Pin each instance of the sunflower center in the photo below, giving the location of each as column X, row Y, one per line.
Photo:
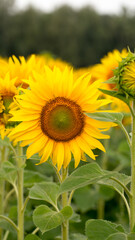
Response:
column 62, row 119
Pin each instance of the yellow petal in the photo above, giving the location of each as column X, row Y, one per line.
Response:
column 85, row 147
column 76, row 151
column 59, row 151
column 67, row 155
column 47, row 151
column 37, row 146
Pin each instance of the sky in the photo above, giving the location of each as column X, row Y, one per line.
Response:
column 102, row 6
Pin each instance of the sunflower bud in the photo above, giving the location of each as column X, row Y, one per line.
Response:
column 125, row 75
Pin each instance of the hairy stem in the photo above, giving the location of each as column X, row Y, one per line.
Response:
column 101, row 202
column 132, row 199
column 65, row 224
column 20, row 194
column 2, row 187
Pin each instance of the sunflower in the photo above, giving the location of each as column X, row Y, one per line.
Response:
column 7, row 92
column 54, row 120
column 104, row 70
column 125, row 75
column 21, row 68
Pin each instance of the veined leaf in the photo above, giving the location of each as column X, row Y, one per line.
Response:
column 31, row 177
column 8, row 172
column 115, row 94
column 107, row 116
column 88, row 174
column 32, row 237
column 100, row 229
column 47, row 191
column 117, row 236
column 47, row 219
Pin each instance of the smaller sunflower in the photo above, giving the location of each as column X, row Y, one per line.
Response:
column 53, row 119
column 125, row 75
column 7, row 92
column 104, row 70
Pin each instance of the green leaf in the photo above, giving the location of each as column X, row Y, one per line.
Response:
column 107, row 116
column 32, row 237
column 82, row 176
column 115, row 94
column 75, row 217
column 77, row 236
column 47, row 219
column 117, row 236
column 8, row 172
column 47, row 191
column 31, row 177
column 131, row 236
column 100, row 229
column 6, row 225
column 120, row 177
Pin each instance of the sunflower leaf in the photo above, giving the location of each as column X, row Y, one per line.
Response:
column 32, row 237
column 31, row 177
column 47, row 219
column 47, row 191
column 77, row 236
column 100, row 229
column 116, row 236
column 107, row 116
column 131, row 236
column 124, row 179
column 88, row 174
column 91, row 173
column 8, row 172
column 115, row 94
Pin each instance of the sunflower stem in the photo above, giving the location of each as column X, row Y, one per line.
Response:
column 132, row 199
column 20, row 193
column 65, row 224
column 2, row 187
column 101, row 202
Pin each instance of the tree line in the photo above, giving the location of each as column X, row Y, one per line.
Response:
column 81, row 37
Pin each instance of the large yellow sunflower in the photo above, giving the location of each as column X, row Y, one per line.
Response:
column 54, row 120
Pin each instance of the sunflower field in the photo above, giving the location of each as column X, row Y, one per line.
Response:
column 67, row 148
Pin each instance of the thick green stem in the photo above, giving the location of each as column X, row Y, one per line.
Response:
column 132, row 199
column 65, row 225
column 2, row 187
column 20, row 194
column 101, row 202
